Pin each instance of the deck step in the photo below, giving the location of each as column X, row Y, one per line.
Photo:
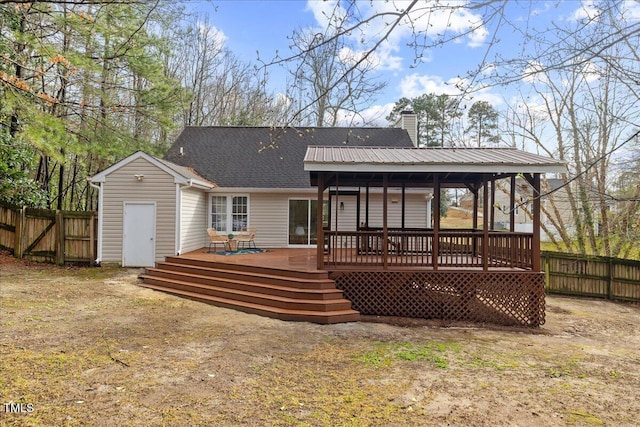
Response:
column 327, row 317
column 303, row 274
column 265, row 298
column 249, row 284
column 264, row 276
column 296, row 295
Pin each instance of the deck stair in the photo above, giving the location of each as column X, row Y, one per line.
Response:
column 282, row 294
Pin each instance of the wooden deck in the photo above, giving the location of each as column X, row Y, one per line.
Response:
column 285, row 283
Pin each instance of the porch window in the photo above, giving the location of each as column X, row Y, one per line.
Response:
column 229, row 213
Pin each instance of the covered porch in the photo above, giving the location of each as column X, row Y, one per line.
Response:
column 477, row 274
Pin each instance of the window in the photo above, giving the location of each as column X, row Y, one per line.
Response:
column 219, row 213
column 239, row 213
column 229, row 213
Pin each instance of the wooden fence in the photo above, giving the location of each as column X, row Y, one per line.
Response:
column 602, row 277
column 49, row 236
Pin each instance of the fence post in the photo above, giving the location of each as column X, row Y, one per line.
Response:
column 609, row 277
column 18, row 242
column 59, row 238
column 92, row 237
column 546, row 268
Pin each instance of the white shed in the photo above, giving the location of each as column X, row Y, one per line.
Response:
column 149, row 208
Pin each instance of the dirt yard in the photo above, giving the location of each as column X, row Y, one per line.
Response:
column 87, row 347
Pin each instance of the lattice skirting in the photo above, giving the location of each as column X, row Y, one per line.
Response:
column 505, row 298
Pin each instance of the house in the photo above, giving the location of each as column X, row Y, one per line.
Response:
column 362, row 205
column 229, row 178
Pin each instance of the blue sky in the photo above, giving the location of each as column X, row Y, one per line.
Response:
column 250, row 26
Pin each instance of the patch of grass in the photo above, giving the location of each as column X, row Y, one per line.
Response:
column 583, row 417
column 385, row 353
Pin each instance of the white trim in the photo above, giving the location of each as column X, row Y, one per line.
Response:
column 311, row 191
column 229, row 207
column 308, row 190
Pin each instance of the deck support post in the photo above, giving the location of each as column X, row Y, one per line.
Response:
column 319, row 228
column 535, row 241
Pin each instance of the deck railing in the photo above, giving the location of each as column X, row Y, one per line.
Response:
column 415, row 248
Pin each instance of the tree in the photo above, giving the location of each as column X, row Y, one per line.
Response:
column 591, row 117
column 85, row 87
column 329, row 79
column 222, row 89
column 436, row 116
column 483, row 123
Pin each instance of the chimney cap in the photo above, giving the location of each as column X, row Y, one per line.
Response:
column 407, row 112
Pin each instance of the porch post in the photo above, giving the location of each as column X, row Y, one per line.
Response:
column 485, row 223
column 385, row 232
column 512, row 201
column 403, row 206
column 436, row 220
column 366, row 208
column 319, row 228
column 535, row 243
column 475, row 209
column 493, row 202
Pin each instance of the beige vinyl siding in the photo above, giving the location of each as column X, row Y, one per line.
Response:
column 269, row 213
column 415, row 211
column 121, row 186
column 193, row 221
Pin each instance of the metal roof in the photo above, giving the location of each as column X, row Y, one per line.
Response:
column 430, row 160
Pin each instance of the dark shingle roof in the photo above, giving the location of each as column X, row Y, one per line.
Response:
column 263, row 157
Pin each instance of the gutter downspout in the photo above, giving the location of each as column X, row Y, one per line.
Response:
column 178, row 232
column 100, row 219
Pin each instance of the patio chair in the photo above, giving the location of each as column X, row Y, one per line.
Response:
column 216, row 239
column 247, row 237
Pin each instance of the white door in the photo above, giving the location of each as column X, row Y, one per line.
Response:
column 139, row 235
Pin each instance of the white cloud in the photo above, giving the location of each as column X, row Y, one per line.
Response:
column 414, row 85
column 372, row 116
column 212, row 33
column 587, row 10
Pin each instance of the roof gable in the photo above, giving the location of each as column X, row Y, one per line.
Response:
column 267, row 157
column 181, row 174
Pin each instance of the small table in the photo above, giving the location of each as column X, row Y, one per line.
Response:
column 232, row 245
